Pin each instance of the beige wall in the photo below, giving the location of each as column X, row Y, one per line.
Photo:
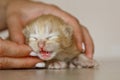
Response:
column 102, row 18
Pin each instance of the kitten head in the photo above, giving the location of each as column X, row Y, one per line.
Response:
column 48, row 35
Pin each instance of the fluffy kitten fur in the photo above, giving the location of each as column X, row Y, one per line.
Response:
column 52, row 41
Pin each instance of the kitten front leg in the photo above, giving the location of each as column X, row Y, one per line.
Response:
column 57, row 65
column 83, row 61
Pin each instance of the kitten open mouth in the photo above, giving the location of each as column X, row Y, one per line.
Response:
column 45, row 54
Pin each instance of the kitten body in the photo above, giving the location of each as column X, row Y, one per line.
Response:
column 52, row 41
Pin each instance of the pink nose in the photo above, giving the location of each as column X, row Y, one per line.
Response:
column 41, row 43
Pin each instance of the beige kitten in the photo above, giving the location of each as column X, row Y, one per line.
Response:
column 52, row 41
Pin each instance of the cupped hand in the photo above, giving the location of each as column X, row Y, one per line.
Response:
column 20, row 12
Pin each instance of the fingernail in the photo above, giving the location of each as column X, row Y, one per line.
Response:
column 33, row 54
column 40, row 65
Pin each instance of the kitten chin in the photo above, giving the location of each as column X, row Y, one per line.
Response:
column 52, row 39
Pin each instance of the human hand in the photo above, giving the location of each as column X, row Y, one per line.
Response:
column 20, row 12
column 13, row 55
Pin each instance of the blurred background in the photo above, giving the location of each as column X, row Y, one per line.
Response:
column 102, row 18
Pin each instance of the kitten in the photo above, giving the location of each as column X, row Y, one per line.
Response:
column 52, row 41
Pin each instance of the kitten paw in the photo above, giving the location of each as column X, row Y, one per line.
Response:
column 84, row 62
column 57, row 65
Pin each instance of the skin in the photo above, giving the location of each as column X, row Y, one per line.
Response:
column 14, row 53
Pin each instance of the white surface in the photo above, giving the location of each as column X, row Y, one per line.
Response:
column 108, row 70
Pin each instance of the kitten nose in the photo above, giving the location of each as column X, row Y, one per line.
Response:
column 41, row 43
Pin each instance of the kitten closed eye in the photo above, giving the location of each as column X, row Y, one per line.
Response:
column 33, row 38
column 51, row 37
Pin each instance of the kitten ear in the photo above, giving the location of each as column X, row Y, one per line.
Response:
column 68, row 30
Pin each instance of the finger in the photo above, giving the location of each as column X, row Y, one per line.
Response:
column 89, row 45
column 26, row 62
column 78, row 38
column 15, row 28
column 12, row 49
